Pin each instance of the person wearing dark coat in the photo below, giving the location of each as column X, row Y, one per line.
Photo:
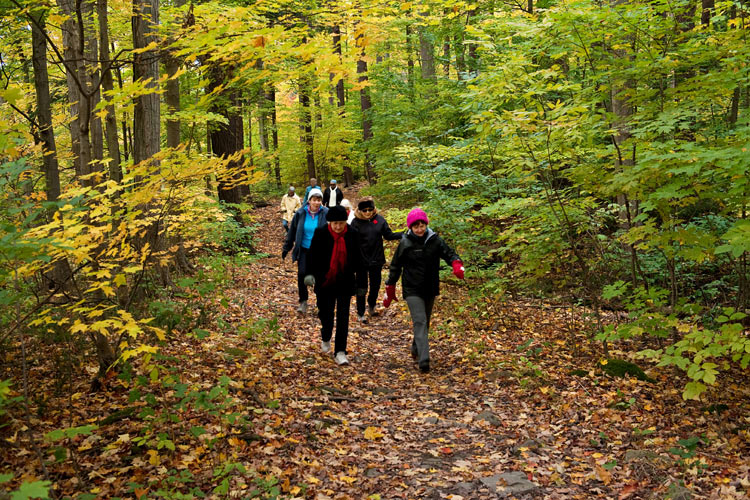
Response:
column 312, row 215
column 418, row 258
column 332, row 196
column 334, row 261
column 373, row 229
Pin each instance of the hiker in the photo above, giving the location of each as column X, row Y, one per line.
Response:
column 349, row 212
column 333, row 259
column 313, row 185
column 290, row 203
column 418, row 257
column 308, row 218
column 372, row 229
column 332, row 196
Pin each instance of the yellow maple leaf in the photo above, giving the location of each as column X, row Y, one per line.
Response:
column 372, row 433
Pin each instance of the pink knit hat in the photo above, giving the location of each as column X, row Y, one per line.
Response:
column 416, row 214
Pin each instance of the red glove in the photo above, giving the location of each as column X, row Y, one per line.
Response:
column 458, row 269
column 390, row 295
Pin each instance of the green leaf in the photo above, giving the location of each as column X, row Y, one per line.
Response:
column 37, row 489
column 693, row 390
column 4, row 478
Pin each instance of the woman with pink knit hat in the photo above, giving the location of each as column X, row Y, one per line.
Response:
column 417, row 257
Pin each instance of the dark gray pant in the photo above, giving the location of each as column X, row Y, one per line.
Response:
column 421, row 310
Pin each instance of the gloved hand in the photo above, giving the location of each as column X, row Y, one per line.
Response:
column 310, row 280
column 390, row 295
column 458, row 269
column 283, row 254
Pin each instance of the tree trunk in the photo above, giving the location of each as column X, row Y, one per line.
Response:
column 172, row 95
column 306, row 125
column 341, row 104
column 146, row 113
column 427, row 55
column 70, row 42
column 410, row 61
column 271, row 97
column 110, row 122
column 365, row 105
column 227, row 140
column 93, row 76
column 44, row 109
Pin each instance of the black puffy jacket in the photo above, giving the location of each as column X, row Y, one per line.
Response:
column 419, row 260
column 319, row 261
column 372, row 232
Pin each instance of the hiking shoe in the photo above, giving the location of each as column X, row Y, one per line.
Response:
column 302, row 307
column 362, row 318
column 325, row 346
column 424, row 366
column 371, row 310
column 341, row 358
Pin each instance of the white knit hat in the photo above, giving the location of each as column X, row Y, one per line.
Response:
column 315, row 192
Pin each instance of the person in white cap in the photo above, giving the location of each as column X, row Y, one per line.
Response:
column 332, row 195
column 299, row 237
column 290, row 203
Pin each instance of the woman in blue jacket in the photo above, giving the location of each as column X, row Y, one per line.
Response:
column 304, row 223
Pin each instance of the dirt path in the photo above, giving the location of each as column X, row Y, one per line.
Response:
column 491, row 420
column 377, row 426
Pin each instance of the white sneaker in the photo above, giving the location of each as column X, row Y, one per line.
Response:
column 325, row 346
column 362, row 319
column 302, row 307
column 341, row 358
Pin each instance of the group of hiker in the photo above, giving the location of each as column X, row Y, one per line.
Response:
column 339, row 253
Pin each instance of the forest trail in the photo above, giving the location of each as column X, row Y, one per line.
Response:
column 378, row 425
column 498, row 416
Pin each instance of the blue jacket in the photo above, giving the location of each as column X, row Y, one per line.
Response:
column 297, row 227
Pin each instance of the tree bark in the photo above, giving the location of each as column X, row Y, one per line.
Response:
column 44, row 109
column 146, row 113
column 426, row 55
column 110, row 122
column 271, row 97
column 341, row 105
column 365, row 106
column 307, row 135
column 227, row 139
column 172, row 95
column 410, row 62
column 70, row 42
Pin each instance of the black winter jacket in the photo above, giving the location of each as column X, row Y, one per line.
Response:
column 319, row 261
column 419, row 259
column 372, row 232
column 327, row 197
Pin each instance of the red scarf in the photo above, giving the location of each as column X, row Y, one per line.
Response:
column 338, row 256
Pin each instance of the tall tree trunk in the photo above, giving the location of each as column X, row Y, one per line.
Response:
column 410, row 61
column 447, row 57
column 271, row 97
column 306, row 125
column 146, row 113
column 365, row 105
column 172, row 95
column 70, row 42
column 44, row 108
column 110, row 122
column 460, row 50
column 227, row 140
column 427, row 54
column 341, row 104
column 93, row 76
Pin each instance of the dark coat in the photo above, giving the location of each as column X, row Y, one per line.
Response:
column 419, row 260
column 297, row 228
column 372, row 232
column 327, row 196
column 319, row 262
